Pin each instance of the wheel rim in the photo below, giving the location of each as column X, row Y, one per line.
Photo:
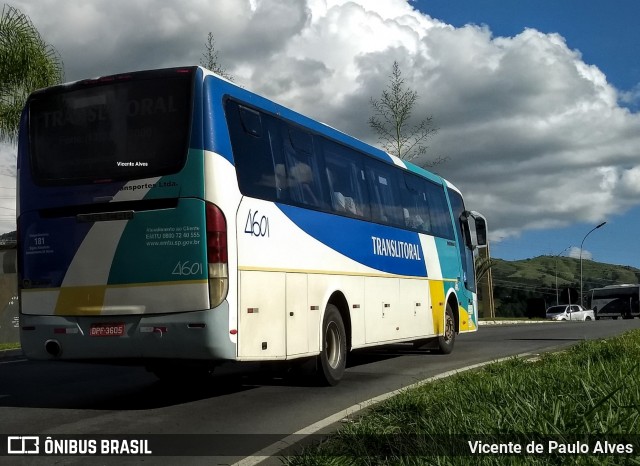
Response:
column 448, row 327
column 333, row 345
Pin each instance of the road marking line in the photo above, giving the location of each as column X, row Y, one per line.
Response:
column 13, row 360
column 288, row 441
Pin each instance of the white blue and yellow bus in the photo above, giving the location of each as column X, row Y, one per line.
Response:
column 173, row 219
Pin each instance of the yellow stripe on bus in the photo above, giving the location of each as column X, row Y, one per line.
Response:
column 80, row 300
column 124, row 285
column 89, row 299
column 437, row 306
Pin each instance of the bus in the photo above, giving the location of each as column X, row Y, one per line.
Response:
column 616, row 301
column 172, row 219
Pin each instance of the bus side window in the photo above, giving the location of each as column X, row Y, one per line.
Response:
column 415, row 208
column 302, row 170
column 251, row 151
column 383, row 193
column 251, row 121
column 439, row 215
column 345, row 177
column 280, row 171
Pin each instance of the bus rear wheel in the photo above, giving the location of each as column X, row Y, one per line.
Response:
column 333, row 357
column 448, row 338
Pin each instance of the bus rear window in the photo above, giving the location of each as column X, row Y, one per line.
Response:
column 127, row 128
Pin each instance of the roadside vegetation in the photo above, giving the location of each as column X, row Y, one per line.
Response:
column 547, row 278
column 576, row 398
column 9, row 346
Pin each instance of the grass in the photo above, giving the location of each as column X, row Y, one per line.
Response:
column 590, row 392
column 9, row 346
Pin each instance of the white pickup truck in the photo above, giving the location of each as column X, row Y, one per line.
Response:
column 569, row 312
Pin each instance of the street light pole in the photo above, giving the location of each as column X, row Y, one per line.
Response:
column 585, row 237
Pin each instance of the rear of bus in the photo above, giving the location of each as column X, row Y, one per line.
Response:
column 120, row 257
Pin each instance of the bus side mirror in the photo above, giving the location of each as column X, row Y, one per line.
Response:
column 477, row 228
column 481, row 231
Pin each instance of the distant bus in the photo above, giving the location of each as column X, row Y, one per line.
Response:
column 172, row 219
column 616, row 301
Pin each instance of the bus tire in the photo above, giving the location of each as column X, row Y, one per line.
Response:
column 333, row 357
column 446, row 341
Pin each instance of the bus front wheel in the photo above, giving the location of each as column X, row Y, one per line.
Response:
column 448, row 338
column 333, row 358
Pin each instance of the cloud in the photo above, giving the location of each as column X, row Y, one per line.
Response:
column 631, row 98
column 534, row 136
column 574, row 252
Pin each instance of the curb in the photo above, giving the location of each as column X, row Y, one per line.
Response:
column 11, row 354
column 516, row 322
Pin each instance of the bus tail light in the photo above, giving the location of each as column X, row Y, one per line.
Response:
column 217, row 256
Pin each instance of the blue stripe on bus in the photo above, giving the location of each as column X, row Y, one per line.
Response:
column 216, row 138
column 380, row 247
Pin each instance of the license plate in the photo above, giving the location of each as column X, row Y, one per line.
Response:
column 107, row 330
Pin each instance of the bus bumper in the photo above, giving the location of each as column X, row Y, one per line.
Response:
column 199, row 335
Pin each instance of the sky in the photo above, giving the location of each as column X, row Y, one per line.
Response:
column 536, row 101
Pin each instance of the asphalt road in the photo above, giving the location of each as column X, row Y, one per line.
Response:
column 243, row 409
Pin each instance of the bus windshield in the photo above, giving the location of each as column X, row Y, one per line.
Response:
column 95, row 131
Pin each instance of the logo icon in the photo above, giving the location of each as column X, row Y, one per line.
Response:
column 23, row 445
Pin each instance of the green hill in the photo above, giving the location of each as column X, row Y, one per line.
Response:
column 517, row 282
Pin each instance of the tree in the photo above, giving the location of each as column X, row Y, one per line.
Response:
column 27, row 63
column 482, row 266
column 210, row 58
column 391, row 121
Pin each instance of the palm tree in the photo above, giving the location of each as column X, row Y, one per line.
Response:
column 482, row 265
column 27, row 63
